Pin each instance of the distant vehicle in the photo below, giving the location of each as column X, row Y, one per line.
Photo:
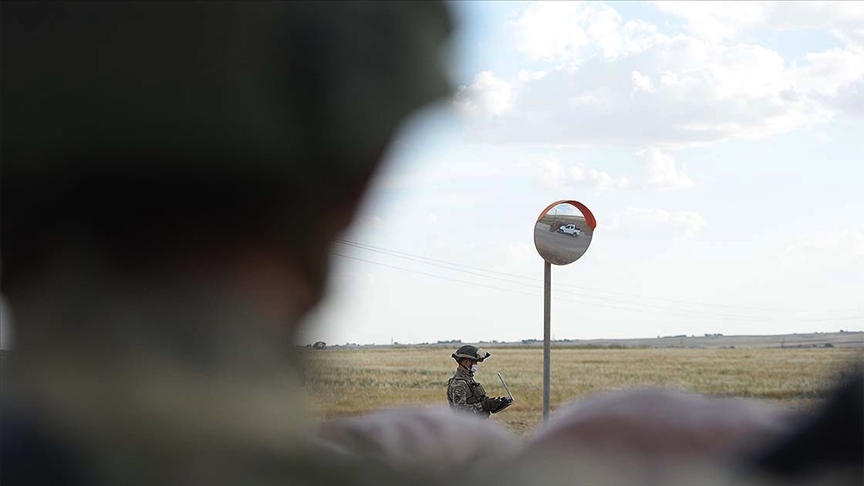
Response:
column 570, row 229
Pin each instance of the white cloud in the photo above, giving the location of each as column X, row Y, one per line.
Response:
column 702, row 90
column 642, row 83
column 715, row 20
column 546, row 30
column 556, row 176
column 663, row 171
column 851, row 36
column 487, row 96
column 670, row 79
column 636, row 36
column 707, row 93
column 834, row 77
column 567, row 32
column 553, row 173
column 813, row 15
column 531, row 75
column 585, row 99
column 593, row 177
column 661, row 168
column 687, row 221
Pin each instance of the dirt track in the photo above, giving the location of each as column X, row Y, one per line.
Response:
column 558, row 248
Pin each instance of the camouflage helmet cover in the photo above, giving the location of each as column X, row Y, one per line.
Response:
column 470, row 352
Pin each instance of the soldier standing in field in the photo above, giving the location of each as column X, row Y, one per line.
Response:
column 466, row 394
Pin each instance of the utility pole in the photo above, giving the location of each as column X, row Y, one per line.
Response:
column 547, row 329
column 558, row 251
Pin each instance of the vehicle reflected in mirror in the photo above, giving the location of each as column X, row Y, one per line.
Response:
column 562, row 234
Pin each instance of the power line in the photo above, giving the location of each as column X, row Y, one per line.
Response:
column 437, row 263
column 433, row 275
column 461, row 268
column 427, row 259
column 454, row 266
column 641, row 309
column 691, row 312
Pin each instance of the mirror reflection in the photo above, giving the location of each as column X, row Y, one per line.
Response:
column 562, row 234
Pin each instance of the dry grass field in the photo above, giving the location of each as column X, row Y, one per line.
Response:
column 350, row 381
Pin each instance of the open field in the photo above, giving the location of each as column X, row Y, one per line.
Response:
column 354, row 380
column 804, row 340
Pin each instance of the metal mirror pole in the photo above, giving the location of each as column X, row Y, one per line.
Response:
column 547, row 306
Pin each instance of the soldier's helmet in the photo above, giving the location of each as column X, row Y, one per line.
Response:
column 470, row 352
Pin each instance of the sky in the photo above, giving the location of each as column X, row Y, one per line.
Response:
column 720, row 147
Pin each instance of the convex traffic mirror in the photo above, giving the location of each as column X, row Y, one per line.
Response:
column 563, row 232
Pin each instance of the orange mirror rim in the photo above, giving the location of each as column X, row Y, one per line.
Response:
column 589, row 216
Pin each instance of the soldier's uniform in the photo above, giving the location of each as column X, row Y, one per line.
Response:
column 464, row 393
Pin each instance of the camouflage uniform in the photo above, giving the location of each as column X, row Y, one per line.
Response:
column 466, row 394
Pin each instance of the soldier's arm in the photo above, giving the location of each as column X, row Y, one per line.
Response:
column 459, row 394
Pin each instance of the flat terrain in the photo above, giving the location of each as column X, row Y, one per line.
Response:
column 347, row 381
column 804, row 340
column 559, row 248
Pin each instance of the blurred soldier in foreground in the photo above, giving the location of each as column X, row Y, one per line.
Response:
column 464, row 393
column 173, row 177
